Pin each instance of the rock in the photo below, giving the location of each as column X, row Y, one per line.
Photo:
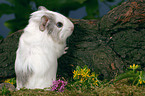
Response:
column 9, row 86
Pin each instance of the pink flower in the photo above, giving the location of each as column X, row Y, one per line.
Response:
column 58, row 85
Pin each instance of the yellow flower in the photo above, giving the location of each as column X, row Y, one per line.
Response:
column 84, row 75
column 134, row 66
column 95, row 83
column 130, row 66
column 141, row 81
column 75, row 74
column 88, row 70
column 88, row 76
column 84, row 72
column 74, row 71
column 82, row 79
column 8, row 81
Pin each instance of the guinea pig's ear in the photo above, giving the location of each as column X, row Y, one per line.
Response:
column 41, row 8
column 44, row 23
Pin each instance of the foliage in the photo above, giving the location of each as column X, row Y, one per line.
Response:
column 23, row 8
column 83, row 78
column 11, row 81
column 1, row 37
column 5, row 91
column 134, row 76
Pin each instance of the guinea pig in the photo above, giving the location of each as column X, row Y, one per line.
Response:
column 41, row 44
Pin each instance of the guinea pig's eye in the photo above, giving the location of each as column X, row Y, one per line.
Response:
column 59, row 24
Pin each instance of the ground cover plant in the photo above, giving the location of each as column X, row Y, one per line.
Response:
column 84, row 83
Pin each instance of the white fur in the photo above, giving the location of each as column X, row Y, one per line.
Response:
column 37, row 54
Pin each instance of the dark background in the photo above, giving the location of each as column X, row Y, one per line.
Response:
column 77, row 14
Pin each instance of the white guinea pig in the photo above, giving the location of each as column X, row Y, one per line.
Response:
column 41, row 44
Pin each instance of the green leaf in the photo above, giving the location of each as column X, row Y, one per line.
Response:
column 129, row 74
column 143, row 75
column 92, row 8
column 5, row 9
column 102, row 0
column 85, row 67
column 11, row 1
column 15, row 24
column 13, row 80
column 1, row 37
column 110, row 0
column 78, row 68
column 93, row 74
column 5, row 91
column 61, row 6
column 80, row 1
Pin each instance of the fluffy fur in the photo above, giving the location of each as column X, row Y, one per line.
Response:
column 41, row 44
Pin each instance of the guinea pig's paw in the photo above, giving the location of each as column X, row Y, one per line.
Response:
column 17, row 88
column 66, row 48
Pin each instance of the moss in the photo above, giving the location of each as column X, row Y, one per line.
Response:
column 121, row 88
